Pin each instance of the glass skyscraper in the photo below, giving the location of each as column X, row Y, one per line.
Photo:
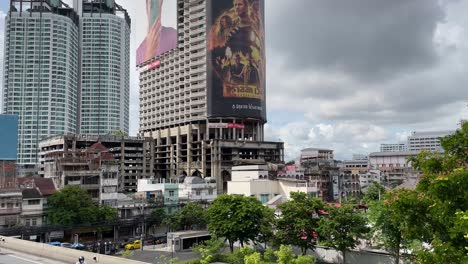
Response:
column 105, row 69
column 65, row 74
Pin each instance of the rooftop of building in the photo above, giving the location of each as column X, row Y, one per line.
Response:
column 316, row 149
column 431, row 133
column 32, row 193
column 44, row 185
column 395, row 153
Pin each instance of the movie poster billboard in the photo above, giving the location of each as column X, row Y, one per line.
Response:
column 236, row 58
column 161, row 33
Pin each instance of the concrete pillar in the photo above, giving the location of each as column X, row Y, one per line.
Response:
column 189, row 148
column 203, row 157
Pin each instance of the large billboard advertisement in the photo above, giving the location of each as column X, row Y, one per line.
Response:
column 161, row 34
column 236, row 58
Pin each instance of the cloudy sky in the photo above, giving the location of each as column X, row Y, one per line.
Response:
column 349, row 75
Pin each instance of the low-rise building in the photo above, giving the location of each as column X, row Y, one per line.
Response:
column 394, row 166
column 253, row 180
column 35, row 192
column 10, row 207
column 132, row 155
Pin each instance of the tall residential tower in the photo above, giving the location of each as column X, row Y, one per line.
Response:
column 41, row 72
column 202, row 88
column 66, row 70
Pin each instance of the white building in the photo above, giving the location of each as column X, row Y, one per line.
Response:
column 427, row 140
column 188, row 189
column 394, row 147
column 197, row 189
column 315, row 154
column 253, row 181
column 390, row 160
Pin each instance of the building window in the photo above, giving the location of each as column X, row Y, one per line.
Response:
column 171, row 193
column 210, row 192
column 33, row 202
column 34, row 222
column 198, row 193
column 264, row 198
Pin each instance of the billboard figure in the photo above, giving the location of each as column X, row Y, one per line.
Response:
column 236, row 44
column 159, row 39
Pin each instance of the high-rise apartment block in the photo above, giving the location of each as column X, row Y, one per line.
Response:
column 393, row 147
column 202, row 89
column 426, row 140
column 63, row 66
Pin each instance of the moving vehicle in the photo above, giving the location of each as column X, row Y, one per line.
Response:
column 133, row 245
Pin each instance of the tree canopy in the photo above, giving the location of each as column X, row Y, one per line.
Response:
column 298, row 221
column 342, row 228
column 236, row 218
column 434, row 212
column 191, row 216
column 73, row 206
column 374, row 192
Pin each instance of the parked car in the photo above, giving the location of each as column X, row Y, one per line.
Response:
column 135, row 245
column 66, row 245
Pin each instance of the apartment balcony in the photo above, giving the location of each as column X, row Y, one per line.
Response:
column 90, row 186
column 110, row 182
column 10, row 211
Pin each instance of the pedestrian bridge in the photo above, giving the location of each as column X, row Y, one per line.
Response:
column 60, row 254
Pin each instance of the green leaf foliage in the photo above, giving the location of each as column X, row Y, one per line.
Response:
column 433, row 212
column 285, row 255
column 304, row 260
column 374, row 192
column 342, row 228
column 235, row 218
column 298, row 221
column 191, row 216
column 73, row 206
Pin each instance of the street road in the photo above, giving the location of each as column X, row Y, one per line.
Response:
column 11, row 257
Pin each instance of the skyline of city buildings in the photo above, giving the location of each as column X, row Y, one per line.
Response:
column 62, row 69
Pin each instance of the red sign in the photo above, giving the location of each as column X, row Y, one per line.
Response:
column 150, row 66
column 234, row 125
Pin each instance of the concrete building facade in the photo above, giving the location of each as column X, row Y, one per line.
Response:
column 427, row 140
column 174, row 110
column 395, row 147
column 253, row 180
column 132, row 157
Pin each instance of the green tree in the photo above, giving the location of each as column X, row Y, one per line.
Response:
column 342, row 228
column 266, row 233
column 269, row 255
column 235, row 218
column 374, row 192
column 73, row 206
column 285, row 255
column 304, row 260
column 298, row 221
column 432, row 211
column 254, row 258
column 191, row 216
column 389, row 219
column 157, row 217
column 208, row 250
